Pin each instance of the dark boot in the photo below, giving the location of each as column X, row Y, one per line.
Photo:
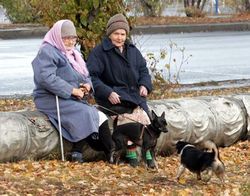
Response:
column 76, row 152
column 106, row 139
column 76, row 157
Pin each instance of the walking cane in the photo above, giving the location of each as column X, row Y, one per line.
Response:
column 60, row 127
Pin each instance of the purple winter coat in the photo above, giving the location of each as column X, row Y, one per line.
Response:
column 54, row 75
column 111, row 71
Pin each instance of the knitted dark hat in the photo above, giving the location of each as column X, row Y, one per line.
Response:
column 117, row 21
column 68, row 29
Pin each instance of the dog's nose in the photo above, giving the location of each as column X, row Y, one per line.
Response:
column 165, row 130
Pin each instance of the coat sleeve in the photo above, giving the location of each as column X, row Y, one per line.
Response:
column 95, row 67
column 45, row 67
column 144, row 76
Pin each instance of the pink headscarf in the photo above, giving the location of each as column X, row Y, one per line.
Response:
column 53, row 37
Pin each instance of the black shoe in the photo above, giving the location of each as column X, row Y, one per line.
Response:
column 76, row 157
column 133, row 162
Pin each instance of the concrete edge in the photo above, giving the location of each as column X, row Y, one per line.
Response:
column 23, row 33
column 39, row 32
column 189, row 28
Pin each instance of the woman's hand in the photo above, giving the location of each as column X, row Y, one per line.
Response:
column 85, row 87
column 77, row 92
column 114, row 98
column 143, row 91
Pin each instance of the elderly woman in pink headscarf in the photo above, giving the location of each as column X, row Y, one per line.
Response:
column 59, row 69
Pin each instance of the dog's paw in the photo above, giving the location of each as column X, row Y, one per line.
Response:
column 111, row 157
column 133, row 162
column 116, row 156
column 151, row 164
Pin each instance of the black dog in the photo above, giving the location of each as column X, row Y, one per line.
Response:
column 196, row 160
column 144, row 136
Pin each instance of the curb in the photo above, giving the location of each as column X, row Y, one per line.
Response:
column 23, row 33
column 39, row 32
column 189, row 28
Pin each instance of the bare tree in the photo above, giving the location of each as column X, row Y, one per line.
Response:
column 247, row 5
column 194, row 7
column 152, row 7
column 195, row 3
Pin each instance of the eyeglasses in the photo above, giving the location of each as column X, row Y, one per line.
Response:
column 70, row 37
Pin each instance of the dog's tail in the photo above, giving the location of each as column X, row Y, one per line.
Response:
column 217, row 166
column 212, row 146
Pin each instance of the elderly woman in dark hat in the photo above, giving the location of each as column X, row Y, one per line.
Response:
column 119, row 73
column 59, row 70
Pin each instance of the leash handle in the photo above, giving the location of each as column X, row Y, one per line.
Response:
column 109, row 110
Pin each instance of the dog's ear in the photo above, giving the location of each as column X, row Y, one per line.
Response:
column 163, row 115
column 153, row 115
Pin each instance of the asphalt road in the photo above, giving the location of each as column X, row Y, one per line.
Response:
column 216, row 56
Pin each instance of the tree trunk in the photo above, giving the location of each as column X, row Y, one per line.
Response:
column 185, row 3
column 247, row 5
column 203, row 5
column 198, row 4
column 193, row 3
column 148, row 9
column 194, row 7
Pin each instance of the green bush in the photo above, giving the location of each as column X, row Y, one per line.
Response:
column 89, row 16
column 20, row 11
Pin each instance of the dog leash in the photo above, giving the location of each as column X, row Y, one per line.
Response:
column 142, row 131
column 116, row 113
column 105, row 108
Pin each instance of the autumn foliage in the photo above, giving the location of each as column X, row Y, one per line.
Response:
column 54, row 177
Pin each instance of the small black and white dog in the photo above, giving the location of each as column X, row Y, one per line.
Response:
column 144, row 136
column 197, row 160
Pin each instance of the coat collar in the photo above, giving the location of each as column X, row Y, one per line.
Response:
column 107, row 44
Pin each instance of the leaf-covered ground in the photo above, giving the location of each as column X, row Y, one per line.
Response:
column 174, row 20
column 100, row 178
column 53, row 177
